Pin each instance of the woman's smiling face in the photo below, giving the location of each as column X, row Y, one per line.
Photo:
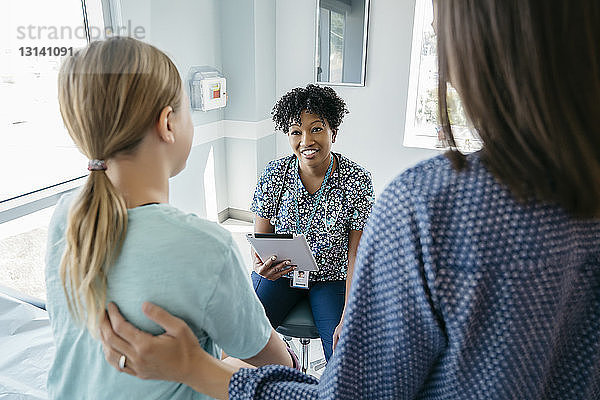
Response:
column 311, row 140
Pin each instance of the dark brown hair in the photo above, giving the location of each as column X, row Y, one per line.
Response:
column 528, row 73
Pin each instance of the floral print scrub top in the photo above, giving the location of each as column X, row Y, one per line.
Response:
column 345, row 205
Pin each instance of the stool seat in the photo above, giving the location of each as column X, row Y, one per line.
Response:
column 299, row 323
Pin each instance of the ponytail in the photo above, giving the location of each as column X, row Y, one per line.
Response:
column 95, row 231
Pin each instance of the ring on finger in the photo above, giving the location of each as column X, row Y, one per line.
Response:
column 122, row 361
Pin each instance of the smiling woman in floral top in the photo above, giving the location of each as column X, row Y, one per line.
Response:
column 321, row 194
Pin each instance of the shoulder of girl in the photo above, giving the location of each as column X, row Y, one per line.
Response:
column 189, row 225
column 58, row 221
column 64, row 203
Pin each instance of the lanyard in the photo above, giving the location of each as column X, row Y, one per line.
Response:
column 273, row 219
column 318, row 194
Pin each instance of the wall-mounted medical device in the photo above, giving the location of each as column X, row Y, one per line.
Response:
column 208, row 88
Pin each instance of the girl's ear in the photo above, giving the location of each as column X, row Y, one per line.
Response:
column 334, row 135
column 163, row 126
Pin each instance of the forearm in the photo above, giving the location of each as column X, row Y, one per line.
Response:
column 353, row 241
column 349, row 275
column 237, row 363
column 274, row 352
column 210, row 376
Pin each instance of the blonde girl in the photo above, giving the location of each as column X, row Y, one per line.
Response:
column 118, row 239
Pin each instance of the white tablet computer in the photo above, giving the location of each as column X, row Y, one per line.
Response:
column 286, row 246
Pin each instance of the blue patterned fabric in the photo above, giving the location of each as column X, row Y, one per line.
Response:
column 345, row 205
column 460, row 292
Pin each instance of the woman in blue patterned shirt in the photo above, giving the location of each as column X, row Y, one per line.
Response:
column 477, row 277
column 319, row 193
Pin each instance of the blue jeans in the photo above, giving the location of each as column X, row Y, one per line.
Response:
column 326, row 301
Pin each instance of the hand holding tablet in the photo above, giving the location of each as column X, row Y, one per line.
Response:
column 284, row 247
column 271, row 269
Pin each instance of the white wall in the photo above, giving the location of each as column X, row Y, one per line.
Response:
column 193, row 32
column 248, row 40
column 189, row 32
column 238, row 39
column 241, row 171
column 373, row 131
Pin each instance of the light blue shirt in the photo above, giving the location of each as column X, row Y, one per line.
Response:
column 187, row 265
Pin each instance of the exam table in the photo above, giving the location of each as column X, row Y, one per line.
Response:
column 26, row 347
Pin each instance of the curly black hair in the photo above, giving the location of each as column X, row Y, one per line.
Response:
column 319, row 100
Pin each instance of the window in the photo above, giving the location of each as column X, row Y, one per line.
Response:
column 337, row 24
column 331, row 41
column 38, row 160
column 422, row 122
column 36, row 152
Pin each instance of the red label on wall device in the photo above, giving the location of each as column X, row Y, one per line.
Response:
column 216, row 91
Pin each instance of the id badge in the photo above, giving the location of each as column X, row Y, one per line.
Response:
column 300, row 279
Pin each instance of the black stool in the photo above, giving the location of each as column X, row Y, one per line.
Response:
column 300, row 324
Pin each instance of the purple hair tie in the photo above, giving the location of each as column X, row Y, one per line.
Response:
column 96, row 165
